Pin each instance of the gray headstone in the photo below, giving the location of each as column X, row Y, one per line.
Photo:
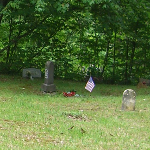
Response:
column 35, row 73
column 48, row 85
column 128, row 101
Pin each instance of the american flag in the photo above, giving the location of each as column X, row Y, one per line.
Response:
column 90, row 85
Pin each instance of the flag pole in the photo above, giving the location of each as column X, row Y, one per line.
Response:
column 90, row 70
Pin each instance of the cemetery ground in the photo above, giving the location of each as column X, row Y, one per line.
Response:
column 30, row 119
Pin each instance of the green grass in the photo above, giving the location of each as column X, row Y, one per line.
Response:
column 30, row 119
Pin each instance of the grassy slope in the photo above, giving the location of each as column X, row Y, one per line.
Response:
column 32, row 120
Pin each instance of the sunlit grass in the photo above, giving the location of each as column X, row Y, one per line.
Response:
column 30, row 119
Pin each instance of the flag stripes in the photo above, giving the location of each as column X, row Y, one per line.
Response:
column 90, row 85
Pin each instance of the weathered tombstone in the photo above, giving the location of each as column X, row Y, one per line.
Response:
column 28, row 72
column 48, row 85
column 145, row 81
column 128, row 101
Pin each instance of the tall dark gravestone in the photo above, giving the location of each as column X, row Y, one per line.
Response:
column 48, row 85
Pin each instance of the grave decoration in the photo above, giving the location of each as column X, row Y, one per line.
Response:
column 69, row 94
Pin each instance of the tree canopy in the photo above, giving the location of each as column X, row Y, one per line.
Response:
column 108, row 39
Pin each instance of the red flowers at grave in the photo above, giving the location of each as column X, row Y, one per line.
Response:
column 69, row 94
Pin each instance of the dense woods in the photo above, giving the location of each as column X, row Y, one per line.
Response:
column 108, row 39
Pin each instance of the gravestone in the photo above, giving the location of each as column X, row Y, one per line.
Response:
column 35, row 73
column 128, row 101
column 48, row 85
column 145, row 81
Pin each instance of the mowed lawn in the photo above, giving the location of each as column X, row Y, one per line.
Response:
column 32, row 120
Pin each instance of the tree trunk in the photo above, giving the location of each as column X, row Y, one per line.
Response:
column 114, row 65
column 126, row 61
column 106, row 58
column 132, row 56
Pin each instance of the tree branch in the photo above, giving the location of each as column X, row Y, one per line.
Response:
column 3, row 3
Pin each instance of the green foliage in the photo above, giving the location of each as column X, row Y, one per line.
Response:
column 112, row 36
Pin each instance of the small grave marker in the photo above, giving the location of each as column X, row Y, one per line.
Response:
column 35, row 73
column 128, row 101
column 48, row 85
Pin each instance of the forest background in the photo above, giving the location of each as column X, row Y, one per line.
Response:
column 108, row 39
